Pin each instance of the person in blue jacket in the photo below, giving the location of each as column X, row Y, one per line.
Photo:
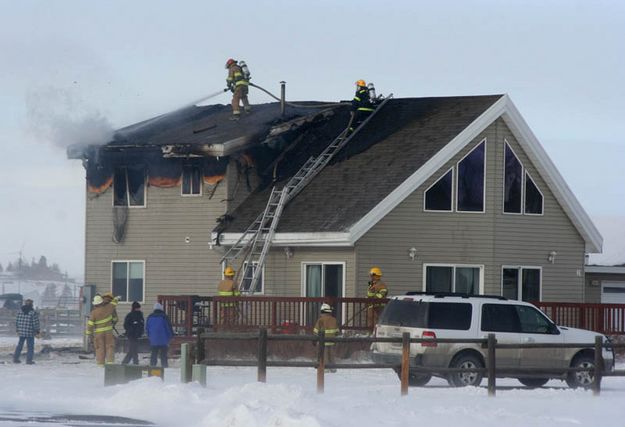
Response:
column 159, row 331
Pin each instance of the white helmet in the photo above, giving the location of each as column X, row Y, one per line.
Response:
column 325, row 308
column 97, row 300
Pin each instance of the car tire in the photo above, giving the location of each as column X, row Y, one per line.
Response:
column 414, row 379
column 463, row 379
column 533, row 382
column 581, row 379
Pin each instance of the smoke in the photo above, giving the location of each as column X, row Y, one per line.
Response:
column 62, row 118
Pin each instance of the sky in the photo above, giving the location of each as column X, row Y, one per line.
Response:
column 72, row 71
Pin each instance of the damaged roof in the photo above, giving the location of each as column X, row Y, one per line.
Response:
column 396, row 142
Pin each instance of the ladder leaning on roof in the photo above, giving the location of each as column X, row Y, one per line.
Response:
column 255, row 242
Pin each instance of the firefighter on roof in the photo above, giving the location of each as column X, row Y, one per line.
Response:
column 377, row 290
column 327, row 323
column 100, row 327
column 362, row 105
column 238, row 82
column 227, row 288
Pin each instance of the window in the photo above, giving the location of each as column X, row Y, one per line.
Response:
column 418, row 314
column 532, row 320
column 500, row 318
column 246, row 283
column 520, row 192
column 450, row 316
column 461, row 279
column 439, row 196
column 470, row 181
column 324, row 280
column 128, row 280
column 191, row 180
column 521, row 283
column 129, row 186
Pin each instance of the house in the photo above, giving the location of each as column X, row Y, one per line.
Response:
column 443, row 194
column 605, row 284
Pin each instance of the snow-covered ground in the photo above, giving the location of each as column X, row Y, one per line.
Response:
column 62, row 383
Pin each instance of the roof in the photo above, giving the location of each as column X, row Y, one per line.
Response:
column 405, row 142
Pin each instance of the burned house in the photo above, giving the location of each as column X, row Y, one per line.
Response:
column 443, row 194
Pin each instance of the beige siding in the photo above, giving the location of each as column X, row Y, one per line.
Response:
column 491, row 239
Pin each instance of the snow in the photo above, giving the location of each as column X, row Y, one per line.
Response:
column 61, row 383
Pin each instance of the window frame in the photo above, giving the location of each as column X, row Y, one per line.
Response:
column 145, row 190
column 542, row 205
column 454, row 266
column 453, row 180
column 457, row 175
column 191, row 167
column 262, row 280
column 127, row 262
column 524, row 172
column 303, row 266
column 520, row 280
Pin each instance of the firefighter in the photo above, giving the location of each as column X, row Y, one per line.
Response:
column 239, row 86
column 361, row 104
column 327, row 323
column 100, row 327
column 109, row 298
column 227, row 288
column 377, row 290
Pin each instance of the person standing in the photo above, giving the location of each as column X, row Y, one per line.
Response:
column 361, row 104
column 27, row 327
column 377, row 290
column 159, row 330
column 100, row 327
column 133, row 325
column 327, row 323
column 227, row 288
column 239, row 86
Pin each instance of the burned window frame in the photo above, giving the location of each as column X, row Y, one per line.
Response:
column 126, row 197
column 192, row 171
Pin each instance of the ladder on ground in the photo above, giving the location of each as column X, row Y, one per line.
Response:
column 255, row 242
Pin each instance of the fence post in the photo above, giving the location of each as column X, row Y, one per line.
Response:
column 596, row 386
column 405, row 362
column 274, row 316
column 262, row 355
column 185, row 363
column 199, row 346
column 491, row 365
column 321, row 343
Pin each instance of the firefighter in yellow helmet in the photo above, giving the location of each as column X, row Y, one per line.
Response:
column 376, row 291
column 100, row 327
column 239, row 86
column 328, row 324
column 362, row 105
column 227, row 288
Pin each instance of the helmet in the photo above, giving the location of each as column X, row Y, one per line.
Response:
column 229, row 62
column 108, row 295
column 360, row 83
column 375, row 271
column 229, row 271
column 325, row 308
column 97, row 300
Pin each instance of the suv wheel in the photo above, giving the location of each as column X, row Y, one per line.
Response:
column 415, row 380
column 462, row 379
column 581, row 379
column 533, row 382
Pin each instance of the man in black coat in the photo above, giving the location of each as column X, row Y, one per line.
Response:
column 134, row 326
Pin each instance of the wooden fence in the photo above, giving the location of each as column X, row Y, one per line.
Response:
column 52, row 322
column 491, row 370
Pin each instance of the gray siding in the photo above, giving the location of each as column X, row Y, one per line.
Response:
column 594, row 282
column 491, row 239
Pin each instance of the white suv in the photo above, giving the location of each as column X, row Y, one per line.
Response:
column 468, row 317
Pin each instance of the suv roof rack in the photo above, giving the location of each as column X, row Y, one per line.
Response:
column 455, row 294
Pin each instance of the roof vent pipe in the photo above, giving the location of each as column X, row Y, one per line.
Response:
column 282, row 97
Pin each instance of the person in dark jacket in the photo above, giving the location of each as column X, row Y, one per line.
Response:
column 361, row 104
column 27, row 327
column 159, row 330
column 133, row 324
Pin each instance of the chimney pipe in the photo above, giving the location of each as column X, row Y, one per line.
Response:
column 282, row 97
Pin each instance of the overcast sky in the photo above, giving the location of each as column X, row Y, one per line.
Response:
column 73, row 70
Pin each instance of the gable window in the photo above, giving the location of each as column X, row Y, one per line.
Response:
column 129, row 186
column 246, row 283
column 453, row 278
column 470, row 180
column 127, row 280
column 521, row 283
column 520, row 192
column 439, row 196
column 191, row 180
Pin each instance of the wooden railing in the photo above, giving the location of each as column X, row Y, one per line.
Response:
column 278, row 314
column 608, row 319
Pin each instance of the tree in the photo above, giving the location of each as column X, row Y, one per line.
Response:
column 10, row 267
column 49, row 298
column 43, row 262
column 1, row 269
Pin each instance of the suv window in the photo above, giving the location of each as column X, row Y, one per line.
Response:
column 500, row 318
column 419, row 314
column 533, row 321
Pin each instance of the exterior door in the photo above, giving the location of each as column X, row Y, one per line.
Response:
column 322, row 280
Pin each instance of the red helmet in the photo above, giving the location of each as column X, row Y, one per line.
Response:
column 229, row 62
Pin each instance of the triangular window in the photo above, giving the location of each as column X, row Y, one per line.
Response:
column 520, row 192
column 439, row 196
column 533, row 197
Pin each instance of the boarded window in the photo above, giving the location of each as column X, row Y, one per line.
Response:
column 533, row 197
column 191, row 180
column 513, row 182
column 128, row 280
column 129, row 186
column 470, row 196
column 438, row 196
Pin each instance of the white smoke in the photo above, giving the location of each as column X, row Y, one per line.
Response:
column 62, row 118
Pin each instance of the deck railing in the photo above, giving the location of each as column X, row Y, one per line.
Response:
column 608, row 319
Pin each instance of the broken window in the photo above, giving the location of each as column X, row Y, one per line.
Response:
column 129, row 186
column 128, row 280
column 533, row 197
column 438, row 196
column 191, row 180
column 470, row 197
column 513, row 182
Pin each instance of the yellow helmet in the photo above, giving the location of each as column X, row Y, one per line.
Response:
column 361, row 83
column 375, row 271
column 229, row 271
